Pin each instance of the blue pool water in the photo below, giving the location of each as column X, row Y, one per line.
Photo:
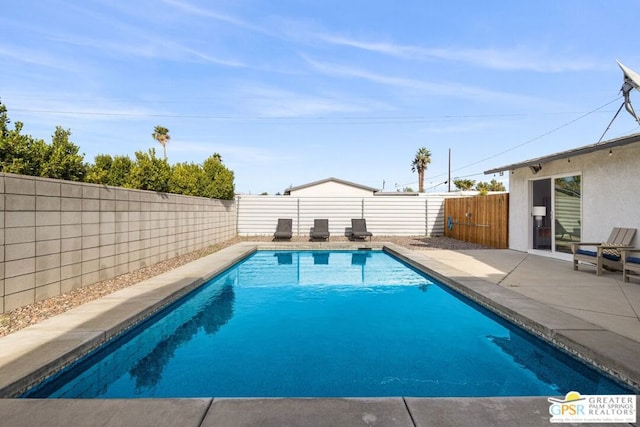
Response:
column 322, row 324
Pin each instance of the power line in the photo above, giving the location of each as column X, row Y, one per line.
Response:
column 528, row 141
column 541, row 136
column 356, row 119
column 351, row 120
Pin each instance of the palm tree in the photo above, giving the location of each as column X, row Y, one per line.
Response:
column 464, row 184
column 161, row 134
column 419, row 164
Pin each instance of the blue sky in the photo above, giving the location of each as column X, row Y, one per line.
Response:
column 294, row 91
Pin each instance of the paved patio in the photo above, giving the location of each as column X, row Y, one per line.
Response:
column 604, row 300
column 594, row 317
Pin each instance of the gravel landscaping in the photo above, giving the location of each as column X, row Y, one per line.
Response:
column 39, row 311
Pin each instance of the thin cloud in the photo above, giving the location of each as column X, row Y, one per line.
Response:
column 212, row 59
column 147, row 46
column 378, row 47
column 521, row 58
column 442, row 89
column 126, row 40
column 231, row 153
column 53, row 105
column 207, row 13
column 114, row 48
column 270, row 102
column 39, row 58
column 180, row 146
column 461, row 126
column 524, row 59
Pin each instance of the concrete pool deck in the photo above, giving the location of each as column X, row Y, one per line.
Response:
column 594, row 317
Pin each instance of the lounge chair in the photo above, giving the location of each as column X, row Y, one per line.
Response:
column 321, row 258
column 630, row 262
column 359, row 229
column 283, row 229
column 320, row 229
column 561, row 231
column 607, row 254
column 284, row 258
column 360, row 258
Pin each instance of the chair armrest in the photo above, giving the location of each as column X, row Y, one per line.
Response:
column 586, row 243
column 576, row 245
column 627, row 251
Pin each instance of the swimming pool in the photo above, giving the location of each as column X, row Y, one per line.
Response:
column 321, row 324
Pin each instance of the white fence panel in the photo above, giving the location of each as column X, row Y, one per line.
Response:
column 396, row 215
column 258, row 215
column 435, row 216
column 385, row 215
column 338, row 210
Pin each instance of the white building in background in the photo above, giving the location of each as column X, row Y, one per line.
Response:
column 581, row 193
column 331, row 187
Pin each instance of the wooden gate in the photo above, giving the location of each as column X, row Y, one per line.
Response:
column 478, row 219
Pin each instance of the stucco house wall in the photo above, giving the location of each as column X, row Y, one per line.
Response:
column 610, row 198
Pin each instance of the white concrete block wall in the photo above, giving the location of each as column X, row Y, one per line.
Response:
column 56, row 236
column 20, row 241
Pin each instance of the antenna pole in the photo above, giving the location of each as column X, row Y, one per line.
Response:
column 449, row 176
column 629, row 107
column 609, row 127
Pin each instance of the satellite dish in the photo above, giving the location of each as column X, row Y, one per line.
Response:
column 631, row 81
column 630, row 76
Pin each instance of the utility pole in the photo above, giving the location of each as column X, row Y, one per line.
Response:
column 449, row 177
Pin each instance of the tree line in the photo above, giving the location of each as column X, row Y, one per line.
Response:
column 61, row 159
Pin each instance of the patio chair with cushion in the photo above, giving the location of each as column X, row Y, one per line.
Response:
column 630, row 262
column 359, row 229
column 606, row 254
column 320, row 229
column 283, row 229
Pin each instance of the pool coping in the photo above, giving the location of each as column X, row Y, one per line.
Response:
column 214, row 412
column 36, row 352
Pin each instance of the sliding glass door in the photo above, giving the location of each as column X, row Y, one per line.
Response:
column 556, row 206
column 567, row 212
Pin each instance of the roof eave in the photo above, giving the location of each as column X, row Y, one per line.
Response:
column 330, row 179
column 606, row 145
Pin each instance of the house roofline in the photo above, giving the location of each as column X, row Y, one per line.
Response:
column 330, row 179
column 397, row 193
column 605, row 145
